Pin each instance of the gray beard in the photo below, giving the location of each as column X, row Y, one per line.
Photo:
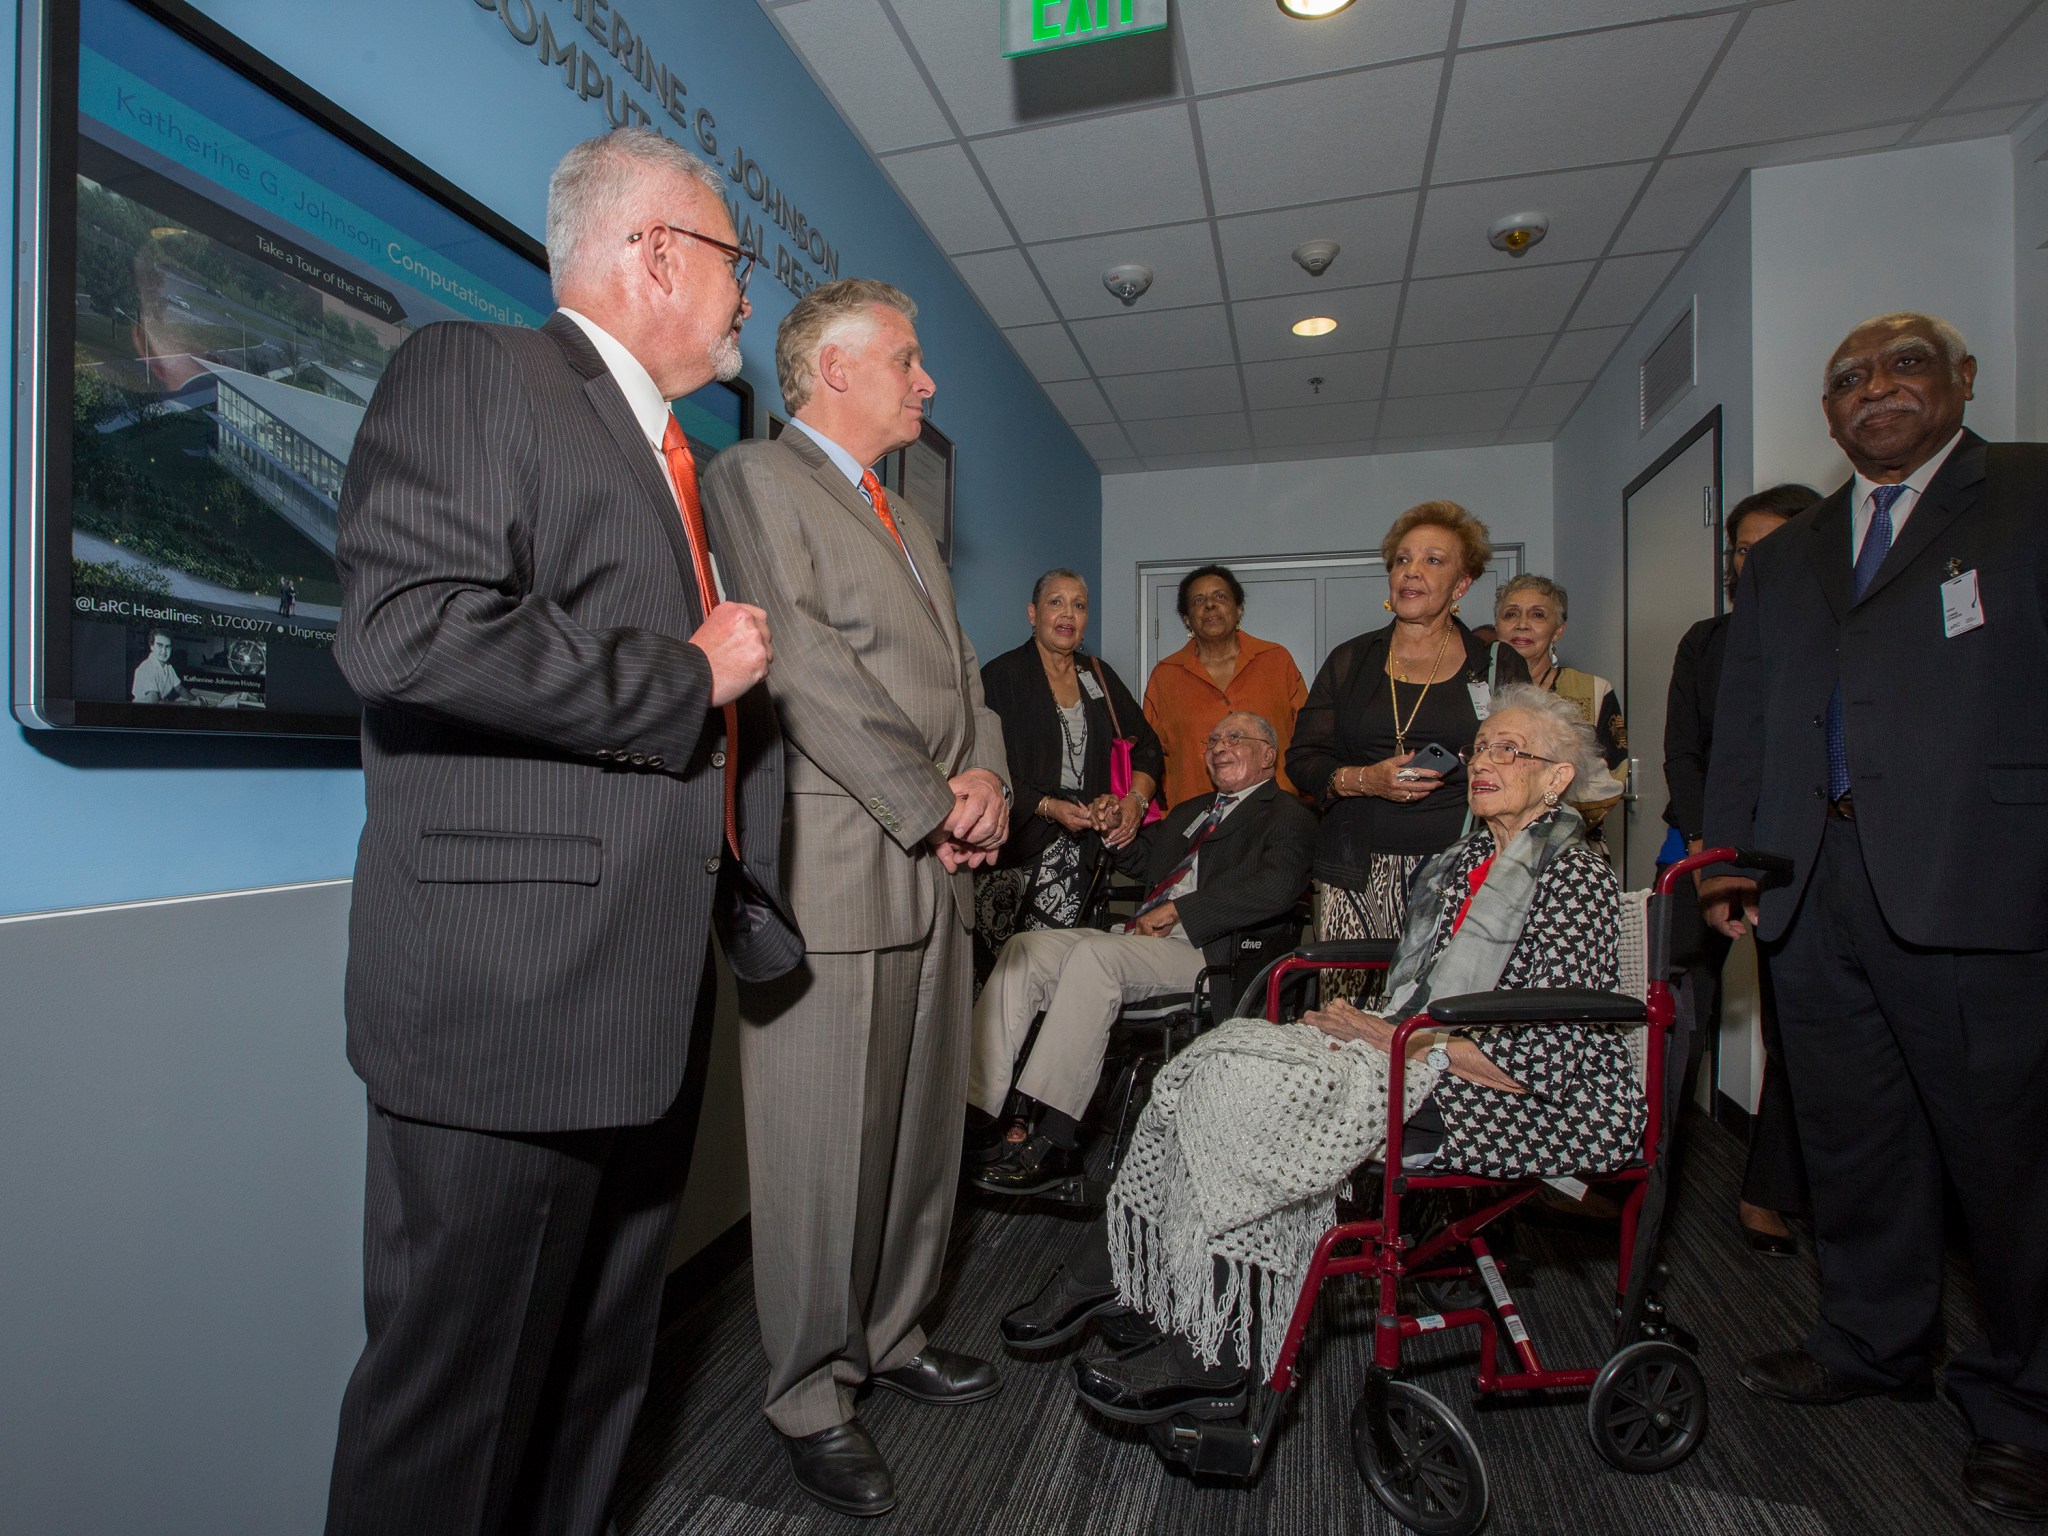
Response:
column 726, row 360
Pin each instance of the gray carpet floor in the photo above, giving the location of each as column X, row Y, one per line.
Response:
column 1032, row 1462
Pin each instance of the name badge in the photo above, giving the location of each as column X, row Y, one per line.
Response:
column 1961, row 609
column 1089, row 686
column 1482, row 699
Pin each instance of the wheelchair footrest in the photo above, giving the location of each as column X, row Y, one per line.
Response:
column 1220, row 1448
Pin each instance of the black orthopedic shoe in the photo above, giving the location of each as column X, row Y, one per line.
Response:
column 1030, row 1167
column 1062, row 1308
column 942, row 1377
column 2009, row 1480
column 988, row 1137
column 1794, row 1376
column 1156, row 1381
column 841, row 1468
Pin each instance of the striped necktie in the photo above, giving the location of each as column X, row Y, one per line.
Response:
column 1157, row 896
column 682, row 474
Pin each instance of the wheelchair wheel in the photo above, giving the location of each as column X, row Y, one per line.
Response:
column 1419, row 1461
column 1648, row 1409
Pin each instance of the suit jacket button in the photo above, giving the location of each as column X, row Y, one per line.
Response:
column 655, row 761
column 711, row 865
column 718, row 759
column 639, row 759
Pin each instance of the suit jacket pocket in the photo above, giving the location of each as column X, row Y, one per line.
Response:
column 2019, row 783
column 496, row 858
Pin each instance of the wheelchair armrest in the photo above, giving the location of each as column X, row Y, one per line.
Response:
column 1537, row 1005
column 1347, row 951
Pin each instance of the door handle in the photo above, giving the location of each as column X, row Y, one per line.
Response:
column 1628, row 790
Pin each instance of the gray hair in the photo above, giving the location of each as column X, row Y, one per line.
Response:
column 841, row 312
column 1542, row 586
column 1951, row 339
column 1562, row 735
column 595, row 178
column 1265, row 726
column 1057, row 573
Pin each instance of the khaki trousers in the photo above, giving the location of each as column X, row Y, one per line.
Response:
column 1079, row 978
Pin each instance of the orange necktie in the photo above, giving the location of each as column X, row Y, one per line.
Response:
column 871, row 487
column 682, row 473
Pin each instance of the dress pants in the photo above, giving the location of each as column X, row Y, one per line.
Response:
column 1080, row 978
column 855, row 1068
column 512, row 1287
column 1775, row 1176
column 1906, row 1062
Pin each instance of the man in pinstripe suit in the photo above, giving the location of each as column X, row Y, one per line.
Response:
column 855, row 1063
column 558, row 816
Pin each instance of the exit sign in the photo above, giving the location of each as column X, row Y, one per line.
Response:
column 1039, row 26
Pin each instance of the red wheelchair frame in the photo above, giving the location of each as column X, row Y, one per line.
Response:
column 1647, row 1406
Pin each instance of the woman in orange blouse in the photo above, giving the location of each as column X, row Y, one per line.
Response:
column 1221, row 669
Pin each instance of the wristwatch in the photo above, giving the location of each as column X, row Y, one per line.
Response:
column 1438, row 1055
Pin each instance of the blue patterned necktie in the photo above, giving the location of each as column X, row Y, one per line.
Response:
column 1877, row 543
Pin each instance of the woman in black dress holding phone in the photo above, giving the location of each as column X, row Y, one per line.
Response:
column 1379, row 700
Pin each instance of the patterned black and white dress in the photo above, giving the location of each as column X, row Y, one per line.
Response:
column 1584, row 1111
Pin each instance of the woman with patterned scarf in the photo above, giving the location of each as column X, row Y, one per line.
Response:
column 1235, row 1166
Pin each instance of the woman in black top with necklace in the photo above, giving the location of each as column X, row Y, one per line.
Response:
column 1380, row 698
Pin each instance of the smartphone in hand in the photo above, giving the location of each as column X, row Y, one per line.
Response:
column 1430, row 759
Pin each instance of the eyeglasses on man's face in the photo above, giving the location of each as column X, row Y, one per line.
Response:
column 741, row 263
column 1233, row 739
column 1498, row 753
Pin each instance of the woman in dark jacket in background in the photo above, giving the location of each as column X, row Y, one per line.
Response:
column 1060, row 709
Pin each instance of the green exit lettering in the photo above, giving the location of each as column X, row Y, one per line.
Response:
column 1037, row 26
column 1079, row 17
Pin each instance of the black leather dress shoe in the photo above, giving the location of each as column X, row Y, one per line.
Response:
column 1158, row 1380
column 942, row 1377
column 841, row 1468
column 1771, row 1245
column 2009, row 1480
column 1794, row 1376
column 1029, row 1167
column 1062, row 1308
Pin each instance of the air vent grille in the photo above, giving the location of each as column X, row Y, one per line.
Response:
column 1667, row 372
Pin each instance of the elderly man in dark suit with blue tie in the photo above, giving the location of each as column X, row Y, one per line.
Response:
column 1880, row 723
column 573, row 776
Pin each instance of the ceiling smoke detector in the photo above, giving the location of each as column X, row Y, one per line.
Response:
column 1128, row 282
column 1516, row 233
column 1314, row 256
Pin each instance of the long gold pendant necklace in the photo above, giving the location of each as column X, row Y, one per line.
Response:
column 1401, row 727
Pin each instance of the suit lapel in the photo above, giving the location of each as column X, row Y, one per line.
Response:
column 1957, row 488
column 1827, row 548
column 609, row 402
column 827, row 474
column 1236, row 820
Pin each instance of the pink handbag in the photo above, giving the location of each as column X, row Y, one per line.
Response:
column 1120, row 770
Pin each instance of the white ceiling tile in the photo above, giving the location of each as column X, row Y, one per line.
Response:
column 1688, row 189
column 1223, row 433
column 1502, row 21
column 1179, row 392
column 1575, row 101
column 1506, row 362
column 1528, row 435
column 1182, row 258
column 1079, row 401
column 1817, row 66
column 1983, row 123
column 1358, row 449
column 1583, row 208
column 1548, row 406
column 1364, row 316
column 1344, row 376
column 1006, row 288
column 853, row 52
column 1434, row 415
column 1435, row 442
column 1104, row 442
column 1078, row 178
column 1580, row 355
column 1319, row 139
column 1517, row 301
column 1048, row 352
column 1622, row 286
column 941, row 187
column 1339, row 422
column 1232, row 45
column 1372, row 231
column 1139, row 341
column 1121, row 466
column 2018, row 71
column 1198, row 460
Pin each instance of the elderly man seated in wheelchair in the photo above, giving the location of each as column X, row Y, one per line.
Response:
column 1216, row 865
column 1250, row 1133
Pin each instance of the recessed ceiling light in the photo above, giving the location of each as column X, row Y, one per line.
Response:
column 1315, row 325
column 1312, row 10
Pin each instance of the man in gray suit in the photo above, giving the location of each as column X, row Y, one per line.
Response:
column 572, row 776
column 855, row 1063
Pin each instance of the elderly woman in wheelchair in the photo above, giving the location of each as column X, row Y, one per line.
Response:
column 1232, row 1178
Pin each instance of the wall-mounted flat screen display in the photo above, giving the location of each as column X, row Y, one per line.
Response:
column 222, row 265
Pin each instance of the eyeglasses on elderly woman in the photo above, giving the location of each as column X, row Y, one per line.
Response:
column 1498, row 753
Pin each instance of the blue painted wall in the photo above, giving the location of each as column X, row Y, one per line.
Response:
column 100, row 820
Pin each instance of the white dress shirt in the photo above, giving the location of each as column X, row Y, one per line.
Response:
column 643, row 395
column 1862, row 509
column 843, row 461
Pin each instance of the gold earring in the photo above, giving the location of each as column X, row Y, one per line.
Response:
column 1454, row 610
column 1550, row 798
column 1387, row 603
